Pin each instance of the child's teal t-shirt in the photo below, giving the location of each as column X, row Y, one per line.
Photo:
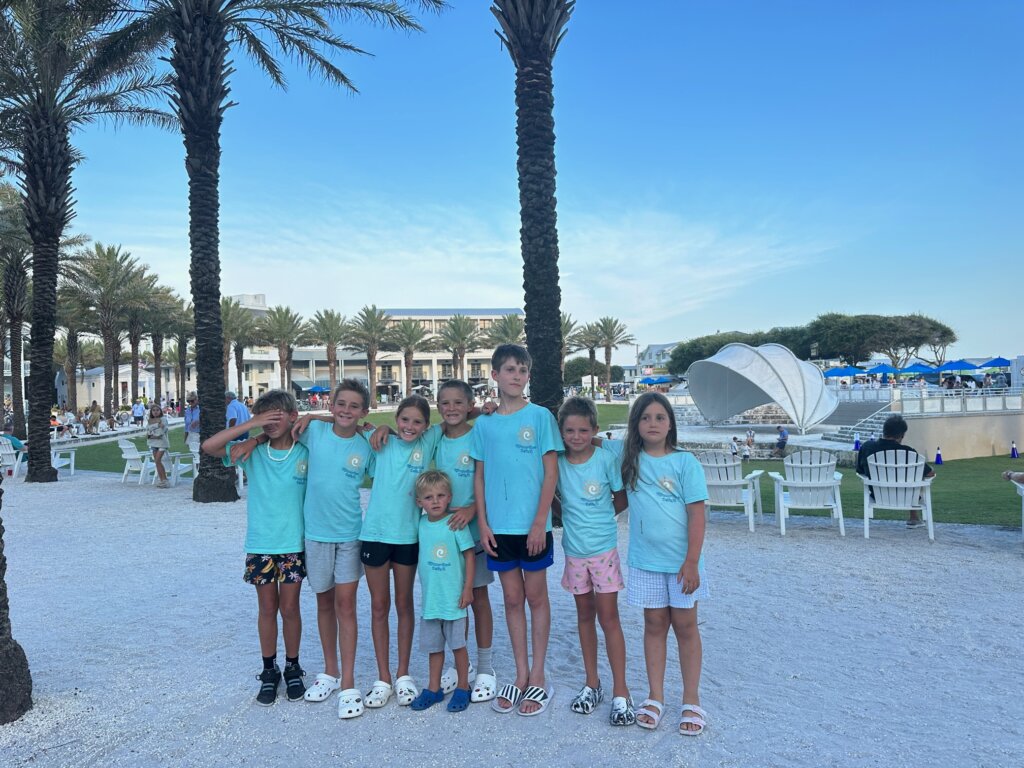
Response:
column 512, row 448
column 392, row 516
column 277, row 490
column 658, row 523
column 337, row 465
column 442, row 568
column 454, row 458
column 588, row 515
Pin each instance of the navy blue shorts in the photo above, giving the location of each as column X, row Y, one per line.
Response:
column 511, row 549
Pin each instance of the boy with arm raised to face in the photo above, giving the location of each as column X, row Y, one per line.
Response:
column 516, row 451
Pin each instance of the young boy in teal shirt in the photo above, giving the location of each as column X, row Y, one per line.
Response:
column 274, row 561
column 445, row 567
column 516, row 451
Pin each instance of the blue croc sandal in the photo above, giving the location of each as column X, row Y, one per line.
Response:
column 459, row 700
column 426, row 700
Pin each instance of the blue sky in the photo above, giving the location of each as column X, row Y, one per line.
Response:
column 721, row 166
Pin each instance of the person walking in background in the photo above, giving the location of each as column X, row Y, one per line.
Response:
column 192, row 422
column 158, row 439
column 235, row 413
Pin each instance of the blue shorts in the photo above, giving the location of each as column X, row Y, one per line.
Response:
column 512, row 553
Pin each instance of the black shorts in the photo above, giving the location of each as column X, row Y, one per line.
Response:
column 511, row 549
column 376, row 553
column 274, row 569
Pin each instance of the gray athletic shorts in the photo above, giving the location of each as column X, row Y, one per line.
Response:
column 482, row 576
column 435, row 634
column 329, row 563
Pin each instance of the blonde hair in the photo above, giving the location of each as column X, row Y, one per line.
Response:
column 431, row 479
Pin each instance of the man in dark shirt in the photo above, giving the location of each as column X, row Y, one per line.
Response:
column 893, row 432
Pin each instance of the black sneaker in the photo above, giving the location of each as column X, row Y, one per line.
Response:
column 270, row 679
column 294, row 686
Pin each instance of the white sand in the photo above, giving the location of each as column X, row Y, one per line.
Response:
column 819, row 651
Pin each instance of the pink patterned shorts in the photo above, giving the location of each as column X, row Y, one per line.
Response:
column 600, row 573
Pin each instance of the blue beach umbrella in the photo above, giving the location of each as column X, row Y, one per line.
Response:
column 997, row 362
column 656, row 380
column 317, row 390
column 958, row 365
column 917, row 368
column 883, row 368
column 848, row 370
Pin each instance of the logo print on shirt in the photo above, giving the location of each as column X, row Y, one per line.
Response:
column 464, row 460
column 355, row 461
column 592, row 489
column 416, row 457
column 441, row 551
column 526, row 434
column 300, row 468
column 667, row 484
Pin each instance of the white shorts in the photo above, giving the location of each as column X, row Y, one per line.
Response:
column 650, row 589
column 329, row 563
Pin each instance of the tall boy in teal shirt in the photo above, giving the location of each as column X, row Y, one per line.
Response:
column 516, row 451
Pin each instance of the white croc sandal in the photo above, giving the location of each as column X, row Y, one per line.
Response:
column 450, row 678
column 379, row 694
column 406, row 690
column 350, row 704
column 647, row 707
column 485, row 687
column 700, row 720
column 322, row 688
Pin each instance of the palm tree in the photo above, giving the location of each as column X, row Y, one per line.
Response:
column 460, row 335
column 54, row 78
column 159, row 323
column 329, row 328
column 73, row 318
column 368, row 333
column 532, row 31
column 569, row 343
column 589, row 338
column 136, row 324
column 613, row 334
column 237, row 324
column 409, row 337
column 108, row 282
column 507, row 329
column 201, row 35
column 182, row 332
column 284, row 329
column 3, row 346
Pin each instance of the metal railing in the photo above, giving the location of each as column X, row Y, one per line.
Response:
column 964, row 401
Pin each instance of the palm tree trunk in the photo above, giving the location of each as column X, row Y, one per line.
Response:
column 108, row 373
column 371, row 375
column 535, row 137
column 3, row 376
column 158, row 352
column 182, row 367
column 134, row 342
column 71, row 368
column 115, row 381
column 608, row 374
column 408, row 372
column 239, row 366
column 332, row 366
column 15, row 677
column 17, row 396
column 592, row 355
column 198, row 58
column 282, row 366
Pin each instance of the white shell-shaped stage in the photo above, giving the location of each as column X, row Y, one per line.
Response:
column 740, row 377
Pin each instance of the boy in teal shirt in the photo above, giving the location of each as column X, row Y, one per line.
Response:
column 445, row 567
column 273, row 541
column 516, row 451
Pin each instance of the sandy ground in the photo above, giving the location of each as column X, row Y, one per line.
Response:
column 819, row 651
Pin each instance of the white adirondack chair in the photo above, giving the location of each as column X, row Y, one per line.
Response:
column 811, row 482
column 1020, row 490
column 134, row 459
column 896, row 481
column 10, row 456
column 183, row 464
column 149, row 473
column 727, row 487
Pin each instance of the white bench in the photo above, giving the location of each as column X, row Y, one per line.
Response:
column 63, row 456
